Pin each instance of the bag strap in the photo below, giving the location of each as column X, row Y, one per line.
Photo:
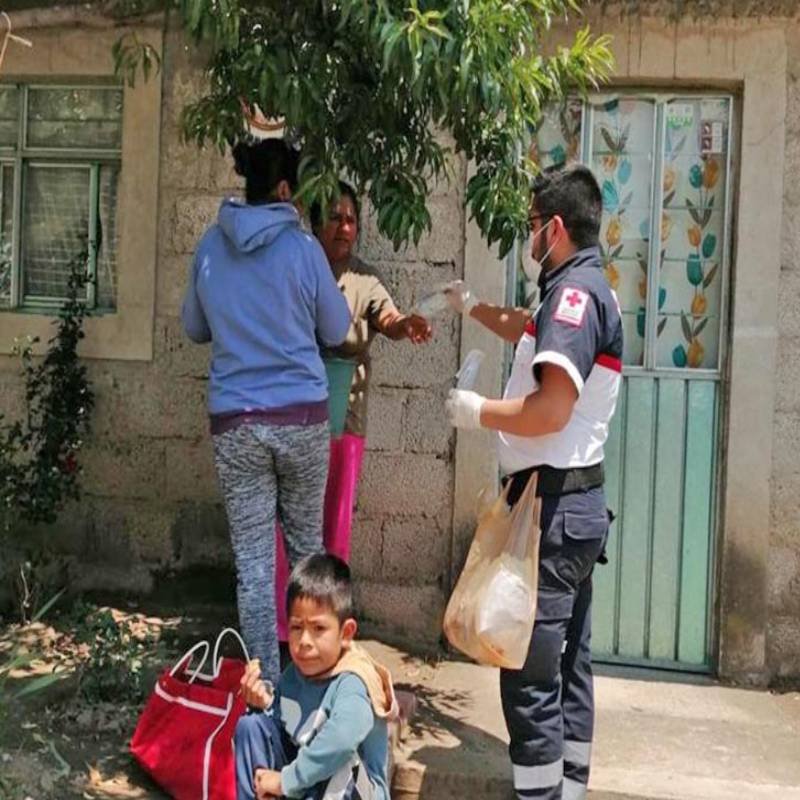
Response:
column 521, row 527
column 216, row 660
column 187, row 657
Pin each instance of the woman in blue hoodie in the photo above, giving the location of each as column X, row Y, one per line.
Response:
column 262, row 293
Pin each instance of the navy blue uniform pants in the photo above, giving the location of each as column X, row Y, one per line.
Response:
column 549, row 703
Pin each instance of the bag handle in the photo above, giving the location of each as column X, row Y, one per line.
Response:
column 187, row 657
column 521, row 524
column 216, row 660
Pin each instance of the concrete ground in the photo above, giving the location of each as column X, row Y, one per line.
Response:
column 657, row 737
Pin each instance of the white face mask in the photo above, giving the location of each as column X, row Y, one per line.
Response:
column 532, row 266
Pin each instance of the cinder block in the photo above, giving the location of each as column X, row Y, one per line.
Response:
column 191, row 216
column 784, row 581
column 385, row 418
column 190, row 473
column 125, row 532
column 183, row 165
column 783, row 646
column 785, row 508
column 133, row 579
column 126, row 400
column 404, row 365
column 175, row 354
column 120, row 469
column 426, row 429
column 786, row 442
column 445, row 242
column 789, row 310
column 415, row 551
column 366, row 547
column 411, row 613
column 183, row 408
column 200, row 535
column 405, row 484
column 172, row 279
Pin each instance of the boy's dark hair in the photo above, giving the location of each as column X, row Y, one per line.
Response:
column 263, row 165
column 326, row 580
column 345, row 190
column 573, row 194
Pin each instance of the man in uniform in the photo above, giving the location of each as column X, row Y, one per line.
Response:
column 553, row 419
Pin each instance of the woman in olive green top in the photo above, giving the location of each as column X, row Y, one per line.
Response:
column 373, row 312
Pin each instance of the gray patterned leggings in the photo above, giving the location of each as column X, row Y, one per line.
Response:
column 265, row 471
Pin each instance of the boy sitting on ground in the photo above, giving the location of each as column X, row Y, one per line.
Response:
column 325, row 733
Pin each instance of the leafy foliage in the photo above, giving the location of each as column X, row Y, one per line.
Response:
column 130, row 53
column 114, row 668
column 39, row 470
column 374, row 88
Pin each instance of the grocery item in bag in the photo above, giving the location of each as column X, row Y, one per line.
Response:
column 491, row 611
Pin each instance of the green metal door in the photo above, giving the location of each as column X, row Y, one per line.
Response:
column 663, row 163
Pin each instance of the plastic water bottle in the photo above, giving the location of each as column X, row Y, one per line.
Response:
column 432, row 305
column 467, row 376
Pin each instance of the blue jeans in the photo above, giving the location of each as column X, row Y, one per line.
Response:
column 261, row 744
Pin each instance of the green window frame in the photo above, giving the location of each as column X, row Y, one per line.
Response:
column 60, row 169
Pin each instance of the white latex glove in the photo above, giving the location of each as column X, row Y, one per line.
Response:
column 460, row 297
column 464, row 408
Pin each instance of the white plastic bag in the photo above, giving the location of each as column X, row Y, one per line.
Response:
column 491, row 611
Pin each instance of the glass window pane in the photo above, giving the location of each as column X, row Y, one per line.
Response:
column 6, row 232
column 557, row 141
column 622, row 161
column 107, row 237
column 72, row 118
column 9, row 115
column 558, row 138
column 695, row 184
column 55, row 226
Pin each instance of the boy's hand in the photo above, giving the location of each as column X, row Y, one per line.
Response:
column 268, row 784
column 255, row 692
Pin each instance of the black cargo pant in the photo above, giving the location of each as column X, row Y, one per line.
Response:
column 549, row 703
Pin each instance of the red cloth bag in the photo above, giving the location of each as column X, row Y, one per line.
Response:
column 184, row 737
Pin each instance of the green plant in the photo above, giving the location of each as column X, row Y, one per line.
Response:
column 369, row 88
column 113, row 670
column 19, row 660
column 39, row 469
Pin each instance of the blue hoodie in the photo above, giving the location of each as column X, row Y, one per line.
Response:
column 262, row 292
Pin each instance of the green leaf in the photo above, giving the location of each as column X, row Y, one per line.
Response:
column 36, row 685
column 661, row 325
column 610, row 141
column 686, row 327
column 709, row 278
column 48, row 605
column 701, row 326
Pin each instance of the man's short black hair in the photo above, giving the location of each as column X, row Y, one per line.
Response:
column 324, row 579
column 572, row 193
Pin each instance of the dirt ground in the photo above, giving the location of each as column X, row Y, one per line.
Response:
column 56, row 743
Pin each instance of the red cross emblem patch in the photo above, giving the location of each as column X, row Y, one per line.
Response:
column 571, row 306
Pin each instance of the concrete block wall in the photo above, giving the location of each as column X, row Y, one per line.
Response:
column 783, row 632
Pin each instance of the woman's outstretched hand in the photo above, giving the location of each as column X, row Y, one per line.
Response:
column 417, row 329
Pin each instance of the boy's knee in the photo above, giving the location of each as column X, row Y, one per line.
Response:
column 250, row 728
